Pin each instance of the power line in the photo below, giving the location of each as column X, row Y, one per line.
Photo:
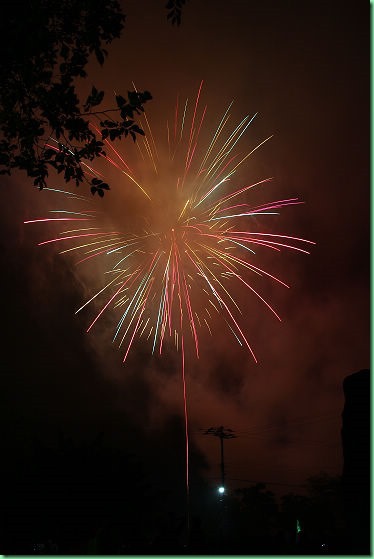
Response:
column 263, row 430
column 272, row 426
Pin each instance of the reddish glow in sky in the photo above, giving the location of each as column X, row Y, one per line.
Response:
column 293, row 63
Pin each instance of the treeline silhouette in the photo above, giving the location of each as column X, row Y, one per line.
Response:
column 90, row 498
column 95, row 497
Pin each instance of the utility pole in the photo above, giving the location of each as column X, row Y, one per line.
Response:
column 222, row 433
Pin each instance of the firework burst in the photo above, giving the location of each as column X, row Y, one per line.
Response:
column 193, row 242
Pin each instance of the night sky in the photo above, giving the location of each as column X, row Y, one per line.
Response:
column 304, row 67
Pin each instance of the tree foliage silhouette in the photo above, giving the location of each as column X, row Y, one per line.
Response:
column 44, row 124
column 174, row 8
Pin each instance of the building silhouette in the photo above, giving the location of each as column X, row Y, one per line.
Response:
column 356, row 466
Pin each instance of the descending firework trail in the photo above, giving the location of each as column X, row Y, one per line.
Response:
column 178, row 259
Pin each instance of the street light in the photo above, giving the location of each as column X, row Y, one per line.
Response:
column 221, row 490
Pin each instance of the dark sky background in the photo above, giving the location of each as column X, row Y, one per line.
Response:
column 304, row 67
